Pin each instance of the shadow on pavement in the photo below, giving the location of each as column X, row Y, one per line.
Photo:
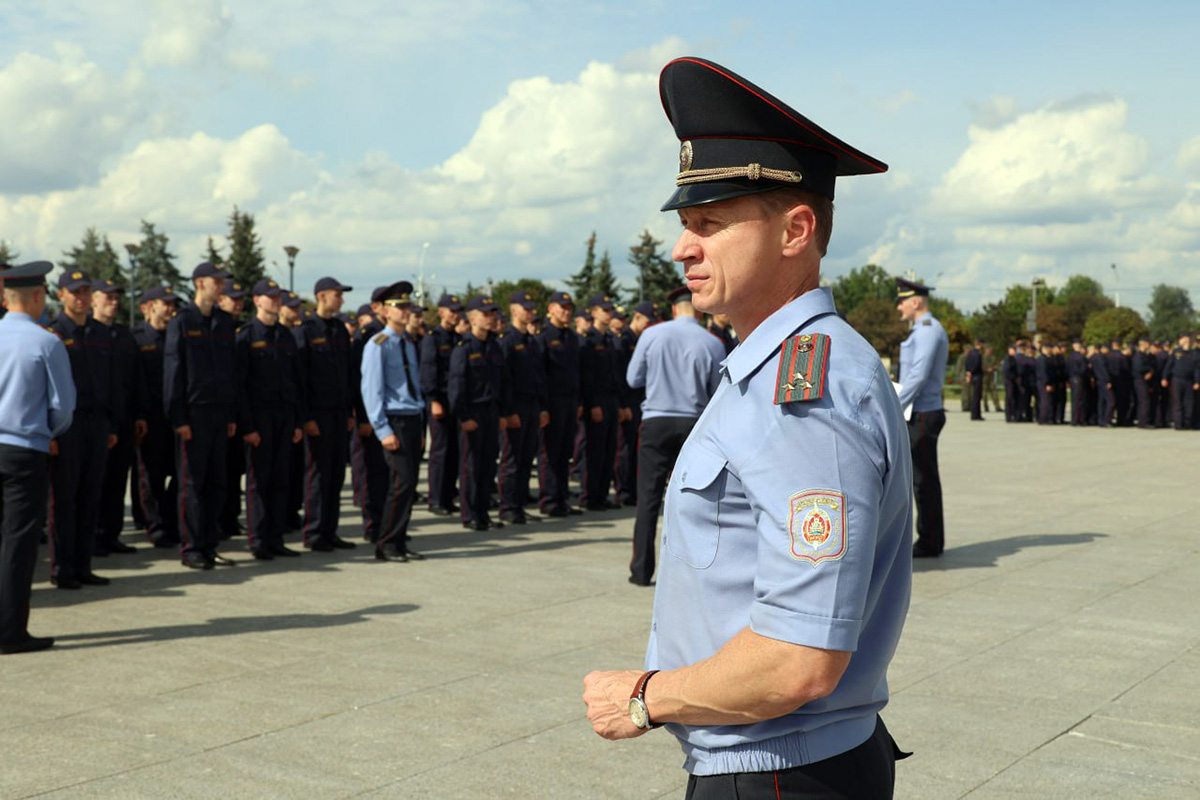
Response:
column 989, row 553
column 227, row 626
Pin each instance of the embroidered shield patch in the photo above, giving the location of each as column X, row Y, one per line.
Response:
column 817, row 525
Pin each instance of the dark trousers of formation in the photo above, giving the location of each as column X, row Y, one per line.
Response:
column 478, row 450
column 600, row 454
column 443, row 461
column 402, row 466
column 200, row 464
column 1146, row 404
column 324, row 475
column 518, row 447
column 76, row 480
column 369, row 471
column 923, row 431
column 554, row 463
column 24, row 485
column 661, row 440
column 267, row 472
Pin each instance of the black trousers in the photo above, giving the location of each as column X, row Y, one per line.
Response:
column 518, row 446
column 1078, row 401
column 1106, row 404
column 1046, row 406
column 923, row 430
column 369, row 470
column 554, row 462
column 867, row 772
column 443, row 459
column 601, row 453
column 325, row 473
column 112, row 493
column 477, row 459
column 402, row 467
column 24, row 483
column 626, row 482
column 1012, row 396
column 267, row 475
column 158, row 488
column 200, row 465
column 1141, row 393
column 661, row 440
column 976, row 396
column 235, row 468
column 1182, row 399
column 76, row 479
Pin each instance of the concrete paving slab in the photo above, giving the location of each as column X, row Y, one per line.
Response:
column 1052, row 651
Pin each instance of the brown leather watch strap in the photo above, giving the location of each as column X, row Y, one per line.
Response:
column 639, row 692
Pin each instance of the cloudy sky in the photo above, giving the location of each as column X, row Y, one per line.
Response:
column 1025, row 139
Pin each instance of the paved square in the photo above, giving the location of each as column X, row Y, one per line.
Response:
column 1051, row 653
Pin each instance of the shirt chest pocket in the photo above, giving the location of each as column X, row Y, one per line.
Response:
column 695, row 508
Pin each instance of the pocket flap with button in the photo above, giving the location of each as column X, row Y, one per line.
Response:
column 695, row 519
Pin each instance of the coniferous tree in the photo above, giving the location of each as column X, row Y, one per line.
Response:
column 656, row 274
column 245, row 262
column 605, row 282
column 155, row 264
column 581, row 282
column 7, row 254
column 213, row 253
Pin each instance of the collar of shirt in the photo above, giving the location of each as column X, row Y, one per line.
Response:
column 16, row 316
column 767, row 337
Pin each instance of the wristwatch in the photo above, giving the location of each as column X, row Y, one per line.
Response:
column 638, row 714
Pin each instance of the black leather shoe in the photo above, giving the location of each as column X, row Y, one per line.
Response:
column 319, row 546
column 120, row 547
column 413, row 555
column 636, row 582
column 477, row 525
column 341, row 544
column 30, row 644
column 439, row 511
column 575, row 512
column 65, row 583
column 924, row 552
column 221, row 561
column 166, row 543
column 92, row 579
column 263, row 555
column 516, row 519
column 387, row 555
column 557, row 512
column 196, row 561
column 285, row 551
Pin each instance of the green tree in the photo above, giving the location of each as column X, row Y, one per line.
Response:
column 656, row 274
column 1113, row 323
column 1080, row 297
column 213, row 253
column 504, row 290
column 95, row 256
column 246, row 261
column 1171, row 312
column 1078, row 286
column 155, row 264
column 876, row 321
column 957, row 328
column 606, row 282
column 7, row 254
column 581, row 282
column 869, row 282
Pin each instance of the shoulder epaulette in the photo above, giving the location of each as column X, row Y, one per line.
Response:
column 243, row 327
column 803, row 363
column 379, row 338
column 927, row 322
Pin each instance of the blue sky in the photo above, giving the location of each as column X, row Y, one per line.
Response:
column 1025, row 140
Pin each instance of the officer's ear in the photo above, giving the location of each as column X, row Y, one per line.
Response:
column 799, row 230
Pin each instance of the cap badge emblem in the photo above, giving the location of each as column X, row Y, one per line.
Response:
column 685, row 156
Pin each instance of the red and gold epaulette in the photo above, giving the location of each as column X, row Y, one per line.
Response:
column 803, row 363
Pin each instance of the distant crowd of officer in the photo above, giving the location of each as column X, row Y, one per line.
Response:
column 1150, row 384
column 189, row 404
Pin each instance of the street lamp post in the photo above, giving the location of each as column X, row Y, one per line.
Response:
column 291, row 251
column 132, row 249
column 1116, row 289
column 421, row 274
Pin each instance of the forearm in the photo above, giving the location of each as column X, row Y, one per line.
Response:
column 751, row 679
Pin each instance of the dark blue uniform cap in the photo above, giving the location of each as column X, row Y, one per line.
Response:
column 680, row 294
column 602, row 300
column 159, row 293
column 207, row 269
column 364, row 310
column 482, row 304
column 266, row 286
column 325, row 284
column 737, row 139
column 25, row 275
column 451, row 302
column 73, row 280
column 561, row 298
column 234, row 291
column 907, row 288
column 107, row 287
column 524, row 299
column 646, row 309
column 398, row 294
column 292, row 300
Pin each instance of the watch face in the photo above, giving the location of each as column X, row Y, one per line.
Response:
column 638, row 714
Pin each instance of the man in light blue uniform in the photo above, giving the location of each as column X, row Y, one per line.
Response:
column 37, row 400
column 391, row 394
column 677, row 362
column 922, row 374
column 786, row 566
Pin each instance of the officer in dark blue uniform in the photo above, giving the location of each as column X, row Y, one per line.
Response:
column 443, row 427
column 269, row 413
column 475, row 388
column 77, row 472
column 395, row 411
column 625, row 475
column 1045, row 386
column 198, row 397
column 332, row 385
column 603, row 409
column 37, row 400
column 1077, row 376
column 560, row 358
column 1028, row 374
column 1145, row 376
column 1120, row 371
column 105, row 304
column 233, row 302
column 526, row 412
column 158, row 489
column 1179, row 375
column 1106, row 400
column 368, row 469
column 974, row 368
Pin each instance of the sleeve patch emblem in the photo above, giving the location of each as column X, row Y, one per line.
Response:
column 817, row 525
column 803, row 363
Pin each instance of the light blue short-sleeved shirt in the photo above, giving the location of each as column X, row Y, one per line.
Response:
column 923, row 365
column 37, row 392
column 678, row 362
column 390, row 382
column 794, row 520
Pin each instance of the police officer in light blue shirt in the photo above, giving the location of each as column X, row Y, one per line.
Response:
column 37, row 400
column 786, row 569
column 677, row 362
column 391, row 394
column 922, row 373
